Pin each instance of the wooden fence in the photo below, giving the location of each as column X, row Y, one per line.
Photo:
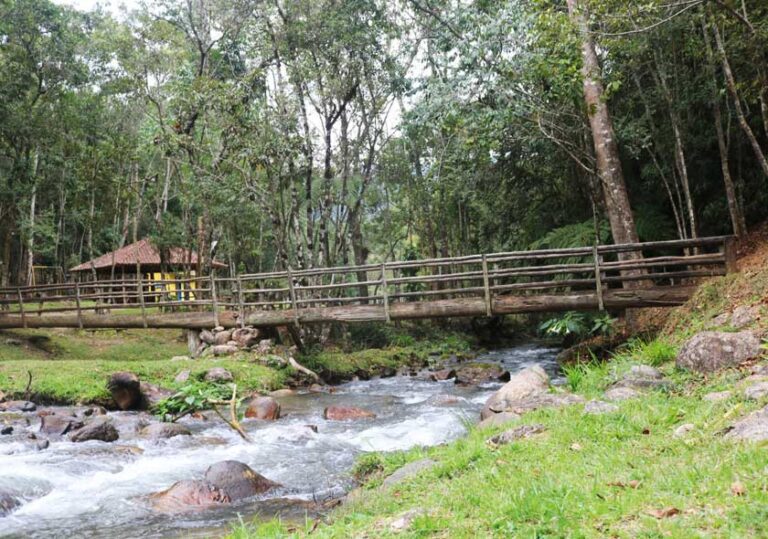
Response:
column 595, row 277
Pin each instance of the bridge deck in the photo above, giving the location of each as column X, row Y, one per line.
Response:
column 587, row 278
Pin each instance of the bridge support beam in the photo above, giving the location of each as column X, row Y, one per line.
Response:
column 667, row 296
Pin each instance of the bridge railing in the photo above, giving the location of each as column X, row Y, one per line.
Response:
column 386, row 285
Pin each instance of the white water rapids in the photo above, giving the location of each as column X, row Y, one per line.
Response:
column 97, row 489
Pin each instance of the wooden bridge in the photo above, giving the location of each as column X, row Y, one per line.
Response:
column 584, row 278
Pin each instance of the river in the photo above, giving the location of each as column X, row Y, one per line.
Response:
column 97, row 489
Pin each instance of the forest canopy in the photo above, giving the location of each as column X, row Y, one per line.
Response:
column 305, row 133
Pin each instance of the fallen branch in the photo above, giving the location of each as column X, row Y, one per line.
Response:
column 233, row 422
column 29, row 385
column 299, row 367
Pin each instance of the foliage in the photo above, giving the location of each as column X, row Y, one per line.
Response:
column 191, row 398
column 571, row 323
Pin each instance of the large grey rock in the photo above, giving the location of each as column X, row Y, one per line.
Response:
column 597, row 407
column 185, row 496
column 757, row 391
column 711, row 351
column 238, row 480
column 524, row 384
column 126, row 390
column 159, row 431
column 152, row 394
column 246, row 337
column 207, row 337
column 100, row 429
column 753, row 427
column 645, row 371
column 518, row 433
column 406, row 472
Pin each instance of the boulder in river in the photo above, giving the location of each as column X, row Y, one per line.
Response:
column 18, row 406
column 8, row 502
column 59, row 425
column 524, row 384
column 238, row 480
column 478, row 373
column 711, row 351
column 185, row 496
column 265, row 408
column 442, row 374
column 344, row 413
column 218, row 375
column 100, row 429
column 159, row 431
column 126, row 390
column 279, row 393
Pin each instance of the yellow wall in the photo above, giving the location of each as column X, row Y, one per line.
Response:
column 173, row 291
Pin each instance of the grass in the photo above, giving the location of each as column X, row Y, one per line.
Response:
column 574, row 480
column 73, row 366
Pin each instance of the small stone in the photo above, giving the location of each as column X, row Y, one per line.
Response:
column 181, row 358
column 224, row 350
column 18, row 406
column 59, row 425
column 218, row 375
column 597, row 407
column 403, row 521
column 718, row 321
column 645, row 371
column 218, row 329
column 497, row 420
column 6, row 430
column 182, row 377
column 406, row 472
column 518, row 433
column 280, row 393
column 744, row 316
column 717, row 396
column 13, row 342
column 757, row 391
column 161, row 431
column 126, row 390
column 207, row 337
column 42, row 445
column 94, row 411
column 313, row 428
column 682, row 430
column 441, row 375
column 621, row 394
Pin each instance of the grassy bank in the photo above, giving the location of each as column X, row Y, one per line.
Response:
column 71, row 366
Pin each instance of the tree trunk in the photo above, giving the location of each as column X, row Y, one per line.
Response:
column 606, row 149
column 730, row 83
column 30, row 266
column 738, row 222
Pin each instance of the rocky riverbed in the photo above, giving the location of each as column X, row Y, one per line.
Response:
column 51, row 483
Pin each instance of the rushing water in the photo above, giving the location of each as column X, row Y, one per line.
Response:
column 96, row 489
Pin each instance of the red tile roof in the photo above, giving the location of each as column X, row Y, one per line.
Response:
column 147, row 255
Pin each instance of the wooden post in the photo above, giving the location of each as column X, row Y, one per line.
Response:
column 21, row 309
column 384, row 292
column 77, row 300
column 487, row 289
column 598, row 278
column 292, row 293
column 729, row 250
column 241, row 301
column 140, row 285
column 214, row 299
